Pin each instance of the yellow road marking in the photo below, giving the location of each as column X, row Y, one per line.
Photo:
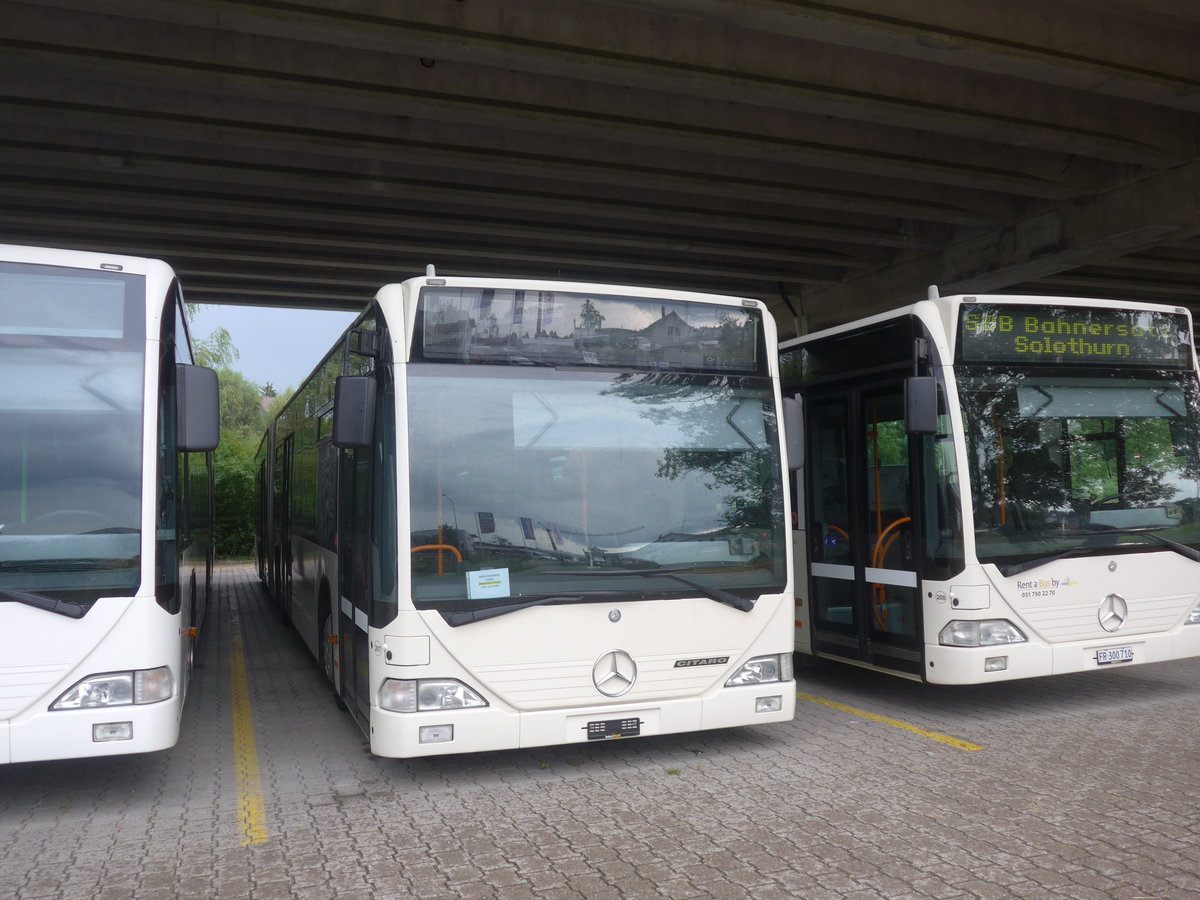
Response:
column 252, row 813
column 895, row 723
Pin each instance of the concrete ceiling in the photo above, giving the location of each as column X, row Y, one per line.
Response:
column 832, row 158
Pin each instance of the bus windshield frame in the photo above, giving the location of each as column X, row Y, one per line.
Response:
column 538, row 481
column 72, row 373
column 1080, row 461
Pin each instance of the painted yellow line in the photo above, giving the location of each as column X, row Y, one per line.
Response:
column 252, row 810
column 895, row 723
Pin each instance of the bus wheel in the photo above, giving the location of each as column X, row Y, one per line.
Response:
column 328, row 653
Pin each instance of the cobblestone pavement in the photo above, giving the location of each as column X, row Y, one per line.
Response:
column 1085, row 786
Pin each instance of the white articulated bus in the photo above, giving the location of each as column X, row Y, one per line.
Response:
column 105, row 504
column 997, row 487
column 510, row 513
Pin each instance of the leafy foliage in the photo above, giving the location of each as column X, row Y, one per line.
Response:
column 216, row 350
column 242, row 409
column 235, row 494
column 243, row 422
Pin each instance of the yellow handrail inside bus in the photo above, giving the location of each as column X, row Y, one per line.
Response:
column 878, row 555
column 450, row 547
column 439, row 548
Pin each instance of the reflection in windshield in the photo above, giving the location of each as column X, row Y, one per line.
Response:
column 499, row 326
column 71, row 373
column 546, row 477
column 1058, row 458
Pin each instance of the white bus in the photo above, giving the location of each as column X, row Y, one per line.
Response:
column 997, row 487
column 508, row 514
column 105, row 504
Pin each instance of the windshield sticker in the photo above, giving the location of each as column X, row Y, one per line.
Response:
column 487, row 584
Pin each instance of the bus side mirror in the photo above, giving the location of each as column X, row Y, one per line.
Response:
column 198, row 418
column 353, row 411
column 793, row 431
column 920, row 404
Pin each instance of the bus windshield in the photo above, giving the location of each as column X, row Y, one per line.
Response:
column 538, row 483
column 71, row 375
column 1072, row 461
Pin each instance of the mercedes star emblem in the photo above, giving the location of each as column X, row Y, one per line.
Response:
column 614, row 673
column 1114, row 612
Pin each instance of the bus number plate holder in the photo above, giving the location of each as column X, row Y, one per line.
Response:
column 609, row 729
column 1111, row 655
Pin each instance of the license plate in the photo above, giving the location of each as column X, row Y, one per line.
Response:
column 613, row 728
column 1110, row 655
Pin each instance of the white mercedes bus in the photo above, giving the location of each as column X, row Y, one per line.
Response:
column 997, row 487
column 105, row 504
column 508, row 513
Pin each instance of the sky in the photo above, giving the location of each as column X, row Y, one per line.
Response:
column 280, row 346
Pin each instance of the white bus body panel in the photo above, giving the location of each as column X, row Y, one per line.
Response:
column 534, row 667
column 312, row 567
column 117, row 635
column 1058, row 607
column 803, row 617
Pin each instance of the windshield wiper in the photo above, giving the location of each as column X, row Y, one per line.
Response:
column 1018, row 568
column 712, row 593
column 1181, row 549
column 466, row 616
column 60, row 607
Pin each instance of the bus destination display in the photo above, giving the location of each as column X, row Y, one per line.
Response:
column 1009, row 333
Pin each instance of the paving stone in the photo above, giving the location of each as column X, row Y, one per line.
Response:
column 1083, row 790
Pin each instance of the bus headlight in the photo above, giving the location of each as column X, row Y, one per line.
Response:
column 763, row 670
column 1194, row 616
column 427, row 694
column 980, row 633
column 118, row 689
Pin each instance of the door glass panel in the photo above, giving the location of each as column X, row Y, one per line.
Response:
column 355, row 577
column 891, row 582
column 831, row 548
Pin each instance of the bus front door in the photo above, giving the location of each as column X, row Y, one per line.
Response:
column 354, row 584
column 862, row 549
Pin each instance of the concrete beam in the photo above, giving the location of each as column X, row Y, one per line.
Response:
column 58, row 173
column 661, row 124
column 1164, row 207
column 349, row 141
column 918, row 115
column 1143, row 50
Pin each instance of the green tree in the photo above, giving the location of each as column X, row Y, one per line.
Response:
column 216, row 350
column 276, row 405
column 235, row 491
column 243, row 422
column 241, row 404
